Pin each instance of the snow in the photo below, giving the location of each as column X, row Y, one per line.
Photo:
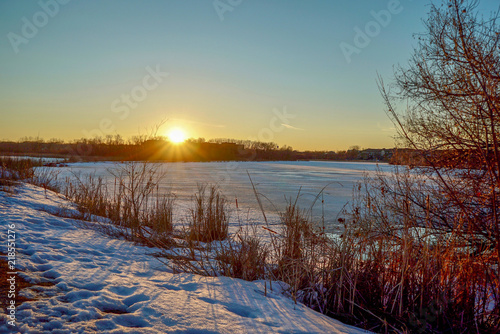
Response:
column 114, row 286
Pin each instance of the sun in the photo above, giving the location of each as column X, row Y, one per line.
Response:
column 176, row 136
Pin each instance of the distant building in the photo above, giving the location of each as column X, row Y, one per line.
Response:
column 375, row 154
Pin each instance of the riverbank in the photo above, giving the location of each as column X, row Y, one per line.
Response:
column 101, row 284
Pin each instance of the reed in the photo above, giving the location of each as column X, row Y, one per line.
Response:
column 132, row 202
column 209, row 215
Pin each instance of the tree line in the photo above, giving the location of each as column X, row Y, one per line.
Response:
column 158, row 148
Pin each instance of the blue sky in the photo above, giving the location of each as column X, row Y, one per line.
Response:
column 236, row 69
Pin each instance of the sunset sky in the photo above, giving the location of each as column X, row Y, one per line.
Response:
column 269, row 70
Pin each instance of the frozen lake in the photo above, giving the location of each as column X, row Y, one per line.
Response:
column 277, row 182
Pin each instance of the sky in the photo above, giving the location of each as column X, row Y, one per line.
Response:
column 295, row 72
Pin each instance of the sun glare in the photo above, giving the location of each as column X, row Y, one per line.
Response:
column 177, row 136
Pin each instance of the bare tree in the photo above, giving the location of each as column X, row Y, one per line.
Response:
column 450, row 91
column 452, row 87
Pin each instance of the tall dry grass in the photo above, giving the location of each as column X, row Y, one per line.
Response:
column 393, row 271
column 133, row 201
column 13, row 169
column 245, row 256
column 209, row 219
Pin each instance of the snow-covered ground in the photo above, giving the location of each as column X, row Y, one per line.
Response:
column 113, row 286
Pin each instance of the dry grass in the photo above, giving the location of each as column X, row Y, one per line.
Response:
column 400, row 273
column 243, row 257
column 13, row 168
column 209, row 216
column 132, row 203
column 31, row 170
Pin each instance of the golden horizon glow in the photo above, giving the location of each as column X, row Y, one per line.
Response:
column 177, row 135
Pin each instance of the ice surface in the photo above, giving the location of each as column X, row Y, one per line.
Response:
column 112, row 286
column 276, row 182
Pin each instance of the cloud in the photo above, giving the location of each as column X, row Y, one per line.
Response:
column 386, row 129
column 288, row 126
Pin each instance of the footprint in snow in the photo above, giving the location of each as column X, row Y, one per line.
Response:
column 39, row 223
column 52, row 274
column 189, row 286
column 130, row 320
column 109, row 305
column 90, row 251
column 73, row 296
column 169, row 322
column 62, row 286
column 34, row 235
column 148, row 312
column 89, row 286
column 135, row 299
column 56, row 245
column 105, row 325
column 89, row 266
column 169, row 287
column 57, row 257
column 208, row 300
column 60, row 311
column 27, row 251
column 143, row 273
column 57, row 223
column 242, row 311
column 123, row 290
column 37, row 259
column 44, row 267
